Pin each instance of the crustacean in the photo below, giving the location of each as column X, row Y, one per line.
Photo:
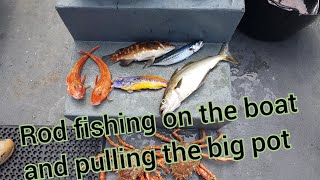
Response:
column 183, row 170
column 136, row 172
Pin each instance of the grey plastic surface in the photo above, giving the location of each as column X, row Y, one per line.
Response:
column 217, row 87
column 136, row 20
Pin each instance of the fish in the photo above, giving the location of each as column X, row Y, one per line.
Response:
column 74, row 81
column 137, row 83
column 141, row 51
column 178, row 55
column 189, row 78
column 102, row 86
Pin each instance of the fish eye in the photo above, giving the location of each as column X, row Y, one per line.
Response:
column 75, row 87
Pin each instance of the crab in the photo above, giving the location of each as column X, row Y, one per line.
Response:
column 183, row 170
column 136, row 172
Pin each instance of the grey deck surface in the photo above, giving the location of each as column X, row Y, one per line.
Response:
column 216, row 87
column 267, row 70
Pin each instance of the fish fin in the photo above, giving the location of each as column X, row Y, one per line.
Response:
column 126, row 62
column 171, row 78
column 83, row 78
column 230, row 59
column 191, row 49
column 155, row 78
column 130, row 91
column 179, row 84
column 175, row 72
column 86, row 86
column 224, row 51
column 187, row 64
column 122, row 49
column 97, row 78
column 149, row 62
column 109, row 99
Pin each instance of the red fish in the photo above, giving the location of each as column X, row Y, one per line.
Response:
column 76, row 88
column 102, row 86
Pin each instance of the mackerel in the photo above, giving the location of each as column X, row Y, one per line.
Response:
column 177, row 56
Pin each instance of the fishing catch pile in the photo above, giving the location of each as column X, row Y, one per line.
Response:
column 183, row 82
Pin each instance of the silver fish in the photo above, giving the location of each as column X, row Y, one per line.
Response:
column 177, row 56
column 189, row 78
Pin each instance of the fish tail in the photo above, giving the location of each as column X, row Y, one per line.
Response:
column 109, row 57
column 148, row 63
column 224, row 51
column 94, row 49
column 90, row 52
column 85, row 57
column 84, row 52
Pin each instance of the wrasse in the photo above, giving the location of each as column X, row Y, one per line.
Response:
column 102, row 86
column 141, row 51
column 189, row 78
column 178, row 55
column 137, row 83
column 76, row 88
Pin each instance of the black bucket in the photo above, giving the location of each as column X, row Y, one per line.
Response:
column 271, row 22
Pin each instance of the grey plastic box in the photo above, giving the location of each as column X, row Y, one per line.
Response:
column 135, row 20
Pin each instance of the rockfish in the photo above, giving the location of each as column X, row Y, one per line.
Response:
column 141, row 51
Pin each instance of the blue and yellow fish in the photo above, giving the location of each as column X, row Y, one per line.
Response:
column 137, row 83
